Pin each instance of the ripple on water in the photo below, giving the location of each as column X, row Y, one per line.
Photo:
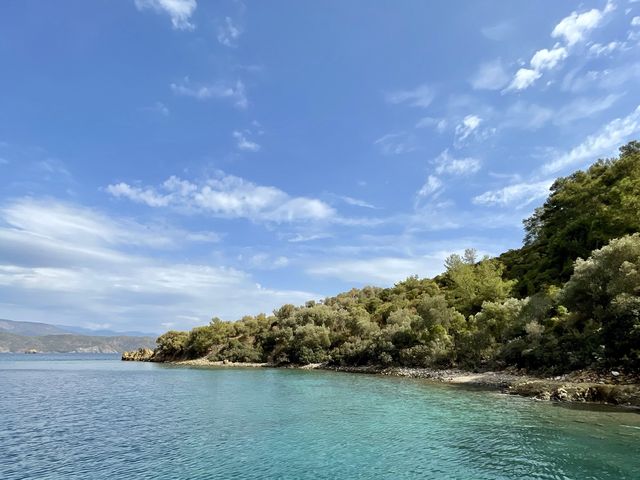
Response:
column 103, row 419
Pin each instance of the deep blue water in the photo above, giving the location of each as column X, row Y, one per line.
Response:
column 94, row 417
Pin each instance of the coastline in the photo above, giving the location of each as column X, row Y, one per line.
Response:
column 578, row 387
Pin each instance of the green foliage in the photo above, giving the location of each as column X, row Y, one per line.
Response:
column 470, row 283
column 583, row 212
column 605, row 290
column 172, row 344
column 466, row 317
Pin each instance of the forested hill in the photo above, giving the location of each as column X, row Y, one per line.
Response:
column 568, row 299
column 583, row 212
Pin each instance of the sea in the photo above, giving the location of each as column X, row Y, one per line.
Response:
column 86, row 416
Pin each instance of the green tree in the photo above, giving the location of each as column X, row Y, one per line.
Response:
column 582, row 213
column 470, row 283
column 605, row 289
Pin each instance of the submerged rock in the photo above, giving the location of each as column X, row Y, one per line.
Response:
column 140, row 355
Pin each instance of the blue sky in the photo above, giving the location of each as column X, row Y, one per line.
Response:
column 166, row 161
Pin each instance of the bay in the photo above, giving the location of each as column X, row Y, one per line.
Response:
column 92, row 416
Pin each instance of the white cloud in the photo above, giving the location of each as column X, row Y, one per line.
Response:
column 396, row 143
column 524, row 78
column 490, row 76
column 229, row 33
column 243, row 143
column 599, row 49
column 635, row 21
column 447, row 164
column 235, row 92
column 383, row 271
column 421, row 96
column 66, row 263
column 432, row 187
column 469, row 124
column 308, row 238
column 180, row 11
column 542, row 60
column 575, row 27
column 547, row 59
column 517, row 195
column 604, row 142
column 572, row 29
column 226, row 196
column 356, row 202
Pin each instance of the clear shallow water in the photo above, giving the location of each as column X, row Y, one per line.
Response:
column 94, row 417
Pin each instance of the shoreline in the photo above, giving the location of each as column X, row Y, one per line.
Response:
column 566, row 388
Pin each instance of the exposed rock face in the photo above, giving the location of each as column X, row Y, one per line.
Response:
column 140, row 355
column 578, row 392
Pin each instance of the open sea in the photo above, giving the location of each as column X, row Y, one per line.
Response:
column 88, row 417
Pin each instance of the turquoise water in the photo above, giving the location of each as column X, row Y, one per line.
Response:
column 94, row 417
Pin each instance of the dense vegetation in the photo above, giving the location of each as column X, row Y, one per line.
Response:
column 541, row 307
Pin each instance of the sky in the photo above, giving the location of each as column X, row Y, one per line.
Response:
column 163, row 162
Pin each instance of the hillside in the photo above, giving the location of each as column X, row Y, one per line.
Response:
column 42, row 337
column 568, row 300
column 30, row 329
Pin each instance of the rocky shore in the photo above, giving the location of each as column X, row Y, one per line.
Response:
column 585, row 386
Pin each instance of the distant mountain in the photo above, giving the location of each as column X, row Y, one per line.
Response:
column 35, row 329
column 42, row 337
column 105, row 332
column 30, row 329
column 68, row 343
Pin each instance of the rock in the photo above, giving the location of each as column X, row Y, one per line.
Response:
column 615, row 373
column 561, row 394
column 140, row 355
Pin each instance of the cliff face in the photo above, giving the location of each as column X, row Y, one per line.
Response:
column 140, row 355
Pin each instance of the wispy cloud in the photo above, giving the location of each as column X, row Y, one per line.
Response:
column 571, row 29
column 243, row 143
column 575, row 27
column 226, row 196
column 542, row 60
column 180, row 11
column 356, row 202
column 229, row 33
column 382, row 271
column 448, row 164
column 490, row 76
column 234, row 92
column 432, row 187
column 421, row 96
column 396, row 143
column 601, row 50
column 585, row 107
column 77, row 265
column 604, row 142
column 469, row 124
column 517, row 195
